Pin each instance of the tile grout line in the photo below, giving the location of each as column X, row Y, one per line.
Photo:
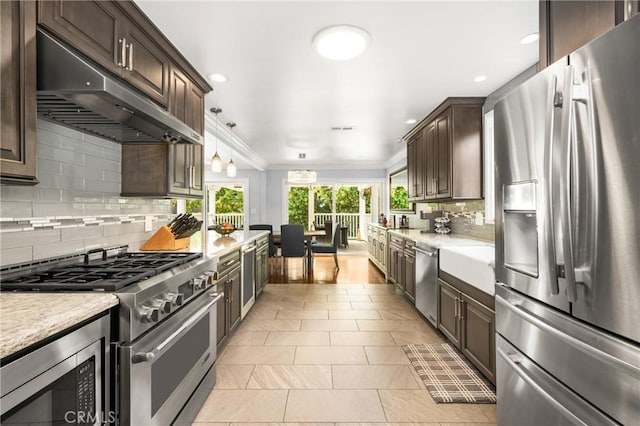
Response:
column 382, row 405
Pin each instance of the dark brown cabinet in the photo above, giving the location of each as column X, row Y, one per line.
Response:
column 444, row 152
column 448, row 318
column 229, row 307
column 162, row 170
column 262, row 264
column 478, row 335
column 568, row 25
column 102, row 32
column 469, row 324
column 401, row 264
column 18, row 87
column 235, row 302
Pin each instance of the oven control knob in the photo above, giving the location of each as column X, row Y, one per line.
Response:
column 164, row 305
column 199, row 283
column 149, row 314
column 212, row 277
column 176, row 299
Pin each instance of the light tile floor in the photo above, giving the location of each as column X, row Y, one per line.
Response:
column 317, row 354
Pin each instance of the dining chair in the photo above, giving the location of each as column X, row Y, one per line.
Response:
column 261, row 227
column 293, row 244
column 329, row 248
column 328, row 229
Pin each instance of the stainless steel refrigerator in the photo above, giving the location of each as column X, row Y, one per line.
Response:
column 567, row 152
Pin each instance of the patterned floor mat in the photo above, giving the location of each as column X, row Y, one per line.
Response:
column 448, row 376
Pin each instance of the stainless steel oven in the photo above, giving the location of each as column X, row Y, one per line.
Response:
column 65, row 382
column 161, row 370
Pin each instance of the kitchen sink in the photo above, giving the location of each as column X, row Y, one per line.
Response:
column 473, row 265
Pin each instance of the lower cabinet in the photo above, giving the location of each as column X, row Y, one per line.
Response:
column 229, row 307
column 377, row 237
column 469, row 325
column 401, row 264
column 262, row 264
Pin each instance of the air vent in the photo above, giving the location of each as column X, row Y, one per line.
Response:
column 343, row 128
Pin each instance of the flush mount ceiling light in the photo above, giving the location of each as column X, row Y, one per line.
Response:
column 217, row 77
column 479, row 78
column 530, row 38
column 411, row 121
column 341, row 42
column 301, row 176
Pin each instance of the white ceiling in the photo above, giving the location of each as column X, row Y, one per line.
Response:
column 285, row 97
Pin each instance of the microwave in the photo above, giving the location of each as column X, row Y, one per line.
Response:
column 64, row 382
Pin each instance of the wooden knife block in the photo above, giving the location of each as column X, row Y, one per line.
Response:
column 164, row 239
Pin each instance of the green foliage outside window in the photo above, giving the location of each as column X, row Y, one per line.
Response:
column 194, row 206
column 228, row 200
column 399, row 198
column 347, row 199
column 299, row 205
column 322, row 200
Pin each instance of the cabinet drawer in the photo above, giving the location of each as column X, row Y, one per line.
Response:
column 398, row 241
column 228, row 262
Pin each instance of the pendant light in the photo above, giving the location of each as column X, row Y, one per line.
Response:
column 231, row 167
column 216, row 161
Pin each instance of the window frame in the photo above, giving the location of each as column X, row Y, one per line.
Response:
column 412, row 205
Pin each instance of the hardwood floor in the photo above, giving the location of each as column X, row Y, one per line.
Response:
column 354, row 269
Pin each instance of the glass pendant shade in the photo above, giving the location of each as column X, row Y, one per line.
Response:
column 216, row 163
column 231, row 169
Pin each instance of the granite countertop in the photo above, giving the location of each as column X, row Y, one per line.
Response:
column 437, row 240
column 27, row 318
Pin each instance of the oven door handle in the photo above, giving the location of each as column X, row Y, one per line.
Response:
column 139, row 357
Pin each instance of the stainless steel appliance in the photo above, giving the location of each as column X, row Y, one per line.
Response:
column 567, row 144
column 64, row 382
column 248, row 288
column 167, row 317
column 75, row 93
column 427, row 282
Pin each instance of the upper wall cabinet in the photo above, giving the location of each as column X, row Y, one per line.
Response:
column 18, row 86
column 568, row 25
column 444, row 152
column 118, row 36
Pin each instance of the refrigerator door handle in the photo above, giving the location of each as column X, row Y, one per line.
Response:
column 583, row 94
column 566, row 126
column 549, row 237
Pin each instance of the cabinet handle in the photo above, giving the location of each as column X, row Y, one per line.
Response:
column 130, row 64
column 461, row 309
column 123, row 52
column 455, row 309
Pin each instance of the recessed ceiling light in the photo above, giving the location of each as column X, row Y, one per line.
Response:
column 217, row 77
column 341, row 42
column 411, row 121
column 479, row 78
column 530, row 38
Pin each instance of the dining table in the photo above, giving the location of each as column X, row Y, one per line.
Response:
column 309, row 235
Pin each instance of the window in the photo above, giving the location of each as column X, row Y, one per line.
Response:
column 398, row 192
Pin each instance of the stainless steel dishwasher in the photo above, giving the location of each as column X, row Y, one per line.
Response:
column 427, row 282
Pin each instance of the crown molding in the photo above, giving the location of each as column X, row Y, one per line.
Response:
column 224, row 135
column 396, row 158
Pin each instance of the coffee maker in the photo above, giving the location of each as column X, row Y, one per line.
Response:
column 404, row 222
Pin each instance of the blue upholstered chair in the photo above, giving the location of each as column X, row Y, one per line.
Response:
column 292, row 243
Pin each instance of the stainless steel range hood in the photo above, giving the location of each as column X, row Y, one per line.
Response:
column 76, row 94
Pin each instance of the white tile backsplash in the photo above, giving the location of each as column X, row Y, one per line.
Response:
column 79, row 176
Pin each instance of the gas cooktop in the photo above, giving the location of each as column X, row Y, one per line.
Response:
column 105, row 274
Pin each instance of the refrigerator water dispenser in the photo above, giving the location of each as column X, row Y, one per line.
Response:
column 520, row 236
